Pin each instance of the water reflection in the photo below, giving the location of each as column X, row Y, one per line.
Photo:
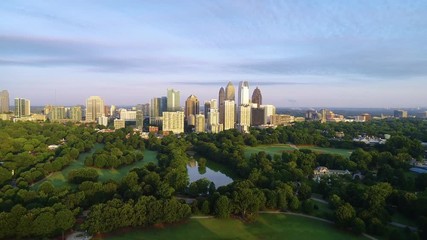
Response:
column 195, row 173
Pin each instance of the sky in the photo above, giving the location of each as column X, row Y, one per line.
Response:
column 361, row 53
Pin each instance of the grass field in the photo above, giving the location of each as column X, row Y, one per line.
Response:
column 279, row 148
column 267, row 226
column 59, row 179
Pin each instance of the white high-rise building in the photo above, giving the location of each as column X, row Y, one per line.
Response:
column 243, row 93
column 213, row 124
column 103, row 120
column 127, row 115
column 229, row 114
column 269, row 110
column 173, row 121
column 244, row 118
column 94, row 108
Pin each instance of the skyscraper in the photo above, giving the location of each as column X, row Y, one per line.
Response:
column 257, row 97
column 22, row 107
column 155, row 110
column 229, row 114
column 56, row 113
column 76, row 113
column 229, row 92
column 94, row 108
column 221, row 99
column 243, row 93
column 191, row 106
column 4, row 101
column 173, row 101
column 173, row 121
column 200, row 123
column 244, row 118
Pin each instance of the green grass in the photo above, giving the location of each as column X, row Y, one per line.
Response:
column 267, row 226
column 279, row 148
column 399, row 218
column 59, row 179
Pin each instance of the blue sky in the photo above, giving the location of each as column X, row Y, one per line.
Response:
column 299, row 53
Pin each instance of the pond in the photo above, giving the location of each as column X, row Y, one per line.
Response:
column 213, row 172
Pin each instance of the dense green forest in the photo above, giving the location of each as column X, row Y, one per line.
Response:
column 147, row 196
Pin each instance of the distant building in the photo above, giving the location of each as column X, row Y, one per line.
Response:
column 312, row 115
column 243, row 93
column 208, row 105
column 139, row 119
column 192, row 106
column 229, row 114
column 22, row 107
column 173, row 121
column 200, row 123
column 4, row 101
column 127, row 115
column 221, row 100
column 229, row 92
column 244, row 118
column 76, row 113
column 94, row 108
column 119, row 123
column 363, row 118
column 257, row 97
column 400, row 114
column 56, row 113
column 191, row 120
column 213, row 125
column 103, row 120
column 153, row 129
column 324, row 171
column 422, row 114
column 281, row 119
column 107, row 111
column 155, row 110
column 173, row 101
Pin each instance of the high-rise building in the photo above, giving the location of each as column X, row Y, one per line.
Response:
column 139, row 119
column 213, row 125
column 4, row 101
column 221, row 99
column 119, row 123
column 229, row 92
column 163, row 105
column 191, row 106
column 244, row 118
column 155, row 110
column 107, row 111
column 269, row 111
column 229, row 114
column 257, row 97
column 22, row 107
column 113, row 110
column 56, row 113
column 76, row 113
column 173, row 101
column 243, row 93
column 200, row 123
column 127, row 115
column 103, row 120
column 173, row 122
column 211, row 104
column 257, row 116
column 94, row 108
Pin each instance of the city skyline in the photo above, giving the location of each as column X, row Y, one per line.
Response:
column 300, row 54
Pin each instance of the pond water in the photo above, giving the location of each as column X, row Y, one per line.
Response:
column 212, row 172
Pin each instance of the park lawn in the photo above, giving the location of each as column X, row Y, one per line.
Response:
column 267, row 226
column 269, row 149
column 59, row 179
column 279, row 148
column 399, row 218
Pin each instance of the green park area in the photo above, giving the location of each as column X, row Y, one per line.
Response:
column 267, row 226
column 279, row 148
column 59, row 179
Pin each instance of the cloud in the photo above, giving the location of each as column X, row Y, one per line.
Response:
column 253, row 83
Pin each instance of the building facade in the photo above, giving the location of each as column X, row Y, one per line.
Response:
column 94, row 108
column 4, row 101
column 229, row 114
column 257, row 97
column 22, row 107
column 200, row 123
column 173, row 101
column 173, row 122
column 191, row 106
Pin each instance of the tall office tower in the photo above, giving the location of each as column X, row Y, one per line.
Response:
column 155, row 107
column 139, row 119
column 56, row 113
column 243, row 93
column 94, row 108
column 257, row 116
column 221, row 99
column 76, row 113
column 229, row 92
column 4, row 101
column 211, row 104
column 146, row 109
column 229, row 114
column 163, row 105
column 22, row 107
column 173, row 101
column 107, row 110
column 173, row 122
column 269, row 111
column 244, row 118
column 200, row 123
column 213, row 125
column 112, row 110
column 191, row 106
column 257, row 97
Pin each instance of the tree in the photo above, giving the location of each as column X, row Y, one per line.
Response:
column 64, row 220
column 44, row 224
column 205, row 207
column 345, row 215
column 358, row 226
column 222, row 207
